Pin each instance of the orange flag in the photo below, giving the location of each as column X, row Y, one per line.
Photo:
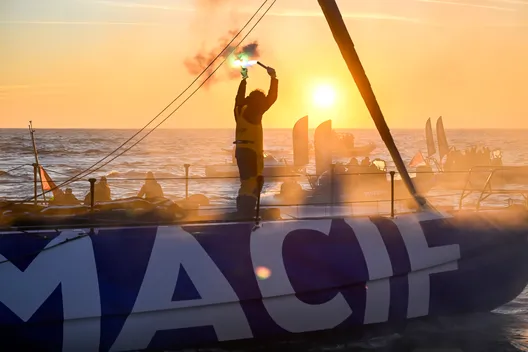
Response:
column 418, row 159
column 47, row 182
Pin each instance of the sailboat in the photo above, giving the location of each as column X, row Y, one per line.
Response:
column 476, row 170
column 343, row 146
column 123, row 285
column 338, row 183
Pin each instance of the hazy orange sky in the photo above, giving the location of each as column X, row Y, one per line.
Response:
column 117, row 63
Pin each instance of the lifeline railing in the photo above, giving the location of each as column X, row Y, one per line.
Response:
column 501, row 175
column 390, row 193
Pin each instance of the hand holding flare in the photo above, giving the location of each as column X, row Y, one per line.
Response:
column 244, row 72
column 244, row 64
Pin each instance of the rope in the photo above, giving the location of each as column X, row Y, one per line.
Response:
column 87, row 171
column 18, row 167
column 192, row 94
column 174, row 100
column 113, row 185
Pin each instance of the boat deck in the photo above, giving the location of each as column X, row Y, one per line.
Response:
column 221, row 209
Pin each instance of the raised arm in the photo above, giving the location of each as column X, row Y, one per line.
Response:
column 241, row 95
column 273, row 92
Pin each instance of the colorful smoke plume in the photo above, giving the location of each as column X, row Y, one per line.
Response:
column 195, row 65
column 207, row 10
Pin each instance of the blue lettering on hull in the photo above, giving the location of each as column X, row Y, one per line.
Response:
column 181, row 286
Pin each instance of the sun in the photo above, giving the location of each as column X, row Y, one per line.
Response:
column 324, row 96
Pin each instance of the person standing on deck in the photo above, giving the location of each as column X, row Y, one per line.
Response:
column 249, row 142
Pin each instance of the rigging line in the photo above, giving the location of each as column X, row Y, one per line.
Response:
column 13, row 164
column 183, row 92
column 192, row 94
column 84, row 173
column 18, row 167
column 172, row 102
column 177, row 108
column 113, row 185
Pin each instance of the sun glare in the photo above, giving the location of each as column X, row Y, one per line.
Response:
column 324, row 96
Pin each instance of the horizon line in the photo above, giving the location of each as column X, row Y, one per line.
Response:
column 269, row 128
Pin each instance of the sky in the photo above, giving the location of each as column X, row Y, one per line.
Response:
column 119, row 63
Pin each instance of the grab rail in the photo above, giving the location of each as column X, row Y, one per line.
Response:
column 487, row 189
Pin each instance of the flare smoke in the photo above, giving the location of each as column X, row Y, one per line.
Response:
column 197, row 63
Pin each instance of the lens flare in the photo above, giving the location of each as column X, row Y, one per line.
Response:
column 262, row 272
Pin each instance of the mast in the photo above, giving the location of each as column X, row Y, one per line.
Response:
column 37, row 165
column 346, row 46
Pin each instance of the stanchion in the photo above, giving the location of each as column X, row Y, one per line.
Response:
column 187, row 166
column 392, row 173
column 92, row 193
column 35, row 192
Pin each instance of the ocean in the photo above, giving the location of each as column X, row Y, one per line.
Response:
column 65, row 153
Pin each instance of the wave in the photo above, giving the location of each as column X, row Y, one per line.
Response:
column 141, row 175
column 16, row 175
column 91, row 152
column 17, row 149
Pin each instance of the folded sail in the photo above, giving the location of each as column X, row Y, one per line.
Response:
column 429, row 138
column 417, row 160
column 301, row 143
column 443, row 146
